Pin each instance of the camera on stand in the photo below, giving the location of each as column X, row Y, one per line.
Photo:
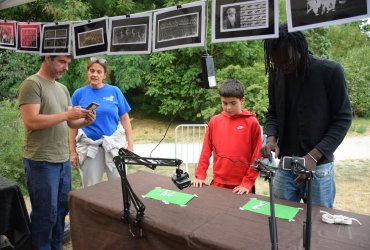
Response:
column 293, row 163
column 181, row 179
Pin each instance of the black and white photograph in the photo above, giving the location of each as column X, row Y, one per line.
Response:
column 8, row 34
column 253, row 15
column 310, row 14
column 55, row 39
column 130, row 34
column 90, row 38
column 181, row 26
column 236, row 20
column 29, row 39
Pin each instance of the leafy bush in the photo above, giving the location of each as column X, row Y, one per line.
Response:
column 11, row 144
column 358, row 79
column 15, row 67
column 11, row 134
column 173, row 86
column 255, row 84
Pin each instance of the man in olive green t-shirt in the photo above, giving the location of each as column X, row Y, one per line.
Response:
column 46, row 111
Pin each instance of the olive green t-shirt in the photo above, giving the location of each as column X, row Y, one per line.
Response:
column 49, row 144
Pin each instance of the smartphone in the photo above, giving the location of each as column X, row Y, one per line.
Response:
column 289, row 162
column 92, row 106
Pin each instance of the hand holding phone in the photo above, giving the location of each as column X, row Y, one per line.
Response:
column 92, row 106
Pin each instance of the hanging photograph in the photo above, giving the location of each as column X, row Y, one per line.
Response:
column 308, row 14
column 182, row 26
column 29, row 37
column 236, row 20
column 8, row 34
column 55, row 39
column 90, row 38
column 130, row 34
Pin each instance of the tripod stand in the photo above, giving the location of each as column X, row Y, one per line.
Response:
column 269, row 175
column 299, row 168
column 127, row 157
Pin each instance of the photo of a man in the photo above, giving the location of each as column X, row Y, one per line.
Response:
column 231, row 19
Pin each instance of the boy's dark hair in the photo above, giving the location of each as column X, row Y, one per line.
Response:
column 232, row 88
column 297, row 40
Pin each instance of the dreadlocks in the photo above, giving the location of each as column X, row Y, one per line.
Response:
column 296, row 40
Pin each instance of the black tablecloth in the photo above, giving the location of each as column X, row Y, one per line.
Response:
column 14, row 219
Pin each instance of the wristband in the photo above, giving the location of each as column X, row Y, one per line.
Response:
column 312, row 157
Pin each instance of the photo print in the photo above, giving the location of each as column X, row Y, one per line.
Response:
column 130, row 34
column 90, row 38
column 8, row 34
column 308, row 14
column 55, row 39
column 236, row 20
column 28, row 39
column 179, row 27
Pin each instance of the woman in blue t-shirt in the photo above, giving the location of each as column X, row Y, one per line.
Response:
column 93, row 147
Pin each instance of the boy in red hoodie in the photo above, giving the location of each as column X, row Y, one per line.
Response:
column 234, row 138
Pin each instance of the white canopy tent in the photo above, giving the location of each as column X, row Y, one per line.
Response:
column 4, row 4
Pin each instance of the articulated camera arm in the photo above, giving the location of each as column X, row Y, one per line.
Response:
column 127, row 157
column 261, row 167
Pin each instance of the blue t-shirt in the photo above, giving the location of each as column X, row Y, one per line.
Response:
column 112, row 103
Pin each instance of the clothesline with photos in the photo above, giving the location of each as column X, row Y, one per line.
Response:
column 181, row 26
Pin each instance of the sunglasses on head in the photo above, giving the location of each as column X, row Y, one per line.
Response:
column 99, row 60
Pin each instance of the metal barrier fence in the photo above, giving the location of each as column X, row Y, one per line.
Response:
column 188, row 142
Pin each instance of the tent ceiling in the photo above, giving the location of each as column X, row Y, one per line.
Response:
column 4, row 4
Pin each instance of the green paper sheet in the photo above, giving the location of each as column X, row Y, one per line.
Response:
column 169, row 196
column 263, row 207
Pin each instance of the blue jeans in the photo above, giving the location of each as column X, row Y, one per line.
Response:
column 48, row 186
column 323, row 186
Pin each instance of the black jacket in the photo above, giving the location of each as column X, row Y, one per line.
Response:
column 324, row 113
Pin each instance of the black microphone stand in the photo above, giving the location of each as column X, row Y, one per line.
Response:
column 269, row 175
column 127, row 157
column 307, row 226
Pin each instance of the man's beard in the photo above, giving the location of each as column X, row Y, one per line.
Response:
column 59, row 75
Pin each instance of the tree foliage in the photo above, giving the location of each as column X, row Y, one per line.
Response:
column 358, row 80
column 15, row 67
column 319, row 43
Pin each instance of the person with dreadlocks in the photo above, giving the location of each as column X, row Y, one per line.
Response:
column 308, row 116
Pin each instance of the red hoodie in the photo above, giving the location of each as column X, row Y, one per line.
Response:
column 235, row 142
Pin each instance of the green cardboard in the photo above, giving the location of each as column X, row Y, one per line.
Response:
column 169, row 196
column 263, row 207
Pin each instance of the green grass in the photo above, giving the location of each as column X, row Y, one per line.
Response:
column 360, row 126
